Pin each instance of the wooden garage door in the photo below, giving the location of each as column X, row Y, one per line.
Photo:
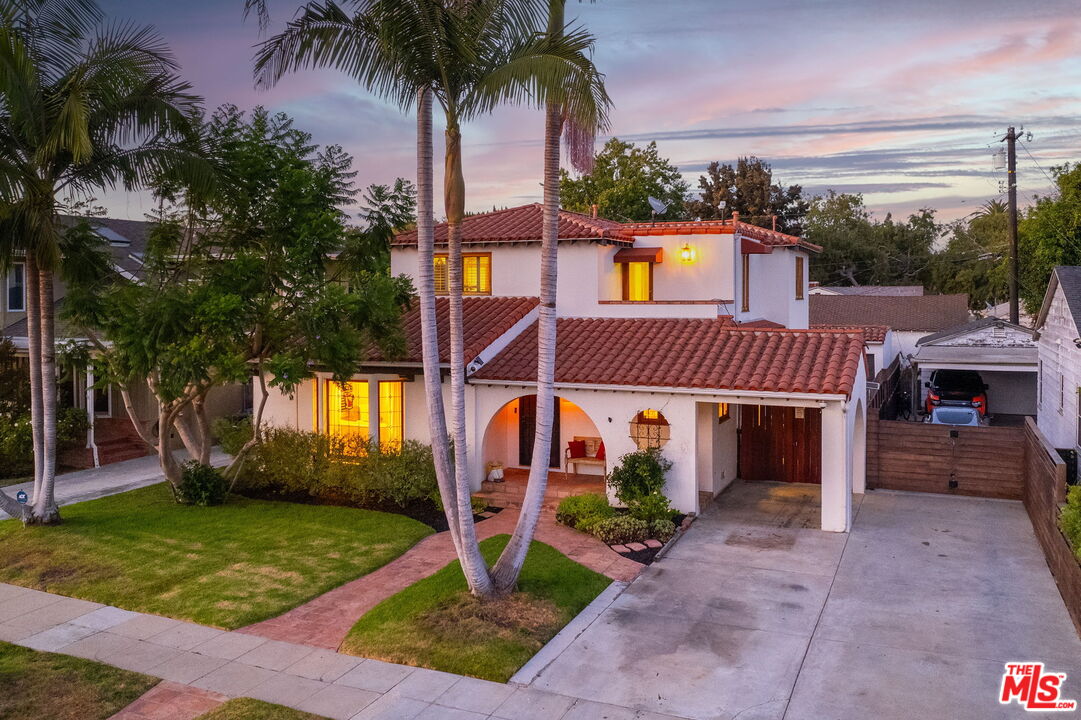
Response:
column 782, row 444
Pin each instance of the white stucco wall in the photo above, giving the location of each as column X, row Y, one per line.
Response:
column 773, row 288
column 1060, row 369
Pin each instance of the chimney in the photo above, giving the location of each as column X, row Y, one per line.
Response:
column 593, row 207
column 735, row 217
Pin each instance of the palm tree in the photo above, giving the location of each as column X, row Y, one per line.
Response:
column 591, row 103
column 82, row 108
column 468, row 57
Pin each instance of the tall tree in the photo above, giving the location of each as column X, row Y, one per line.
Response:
column 974, row 260
column 1050, row 235
column 82, row 107
column 468, row 58
column 581, row 131
column 623, row 178
column 749, row 189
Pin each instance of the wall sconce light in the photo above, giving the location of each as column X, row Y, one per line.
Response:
column 687, row 254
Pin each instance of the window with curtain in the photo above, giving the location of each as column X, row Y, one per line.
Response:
column 390, row 413
column 638, row 281
column 17, row 288
column 347, row 409
column 476, row 274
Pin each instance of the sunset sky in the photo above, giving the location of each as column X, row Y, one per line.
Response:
column 903, row 101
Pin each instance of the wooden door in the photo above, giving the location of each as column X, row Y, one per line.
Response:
column 782, row 444
column 527, row 429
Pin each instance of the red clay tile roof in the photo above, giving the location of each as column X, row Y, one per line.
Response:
column 484, row 319
column 523, row 225
column 687, row 353
column 925, row 313
column 871, row 333
column 762, row 325
column 719, row 227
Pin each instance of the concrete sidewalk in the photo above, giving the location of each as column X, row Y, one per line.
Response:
column 233, row 664
column 109, row 479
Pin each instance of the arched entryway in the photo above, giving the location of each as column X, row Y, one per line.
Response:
column 510, row 433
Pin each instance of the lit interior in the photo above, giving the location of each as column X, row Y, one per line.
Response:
column 347, row 408
column 638, row 281
column 390, row 412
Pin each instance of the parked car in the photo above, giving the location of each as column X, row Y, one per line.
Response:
column 955, row 415
column 956, row 387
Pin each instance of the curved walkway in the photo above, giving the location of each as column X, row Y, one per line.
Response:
column 325, row 621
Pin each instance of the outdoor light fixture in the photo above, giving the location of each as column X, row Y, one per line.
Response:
column 687, row 253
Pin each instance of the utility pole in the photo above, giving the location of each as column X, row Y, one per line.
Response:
column 1011, row 187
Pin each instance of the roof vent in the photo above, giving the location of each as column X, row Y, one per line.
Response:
column 115, row 239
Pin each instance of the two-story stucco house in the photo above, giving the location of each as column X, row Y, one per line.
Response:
column 691, row 336
column 1059, row 389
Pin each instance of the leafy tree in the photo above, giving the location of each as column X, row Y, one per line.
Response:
column 469, row 58
column 756, row 198
column 82, row 107
column 973, row 260
column 238, row 282
column 623, row 178
column 1050, row 235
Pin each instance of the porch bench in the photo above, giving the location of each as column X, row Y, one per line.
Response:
column 592, row 447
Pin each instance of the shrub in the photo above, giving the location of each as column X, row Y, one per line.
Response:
column 652, row 508
column 621, row 529
column 663, row 530
column 639, row 474
column 201, row 485
column 341, row 470
column 1070, row 520
column 17, row 440
column 582, row 511
column 232, row 433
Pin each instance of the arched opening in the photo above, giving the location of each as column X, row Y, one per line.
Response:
column 859, row 450
column 578, row 454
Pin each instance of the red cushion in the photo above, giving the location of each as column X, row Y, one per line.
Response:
column 577, row 448
column 600, row 452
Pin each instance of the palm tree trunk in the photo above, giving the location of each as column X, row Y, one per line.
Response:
column 509, row 566
column 45, row 510
column 33, row 336
column 433, row 383
column 473, row 564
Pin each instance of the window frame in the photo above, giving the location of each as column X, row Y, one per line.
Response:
column 8, row 287
column 800, row 293
column 625, row 279
column 446, row 273
column 398, row 411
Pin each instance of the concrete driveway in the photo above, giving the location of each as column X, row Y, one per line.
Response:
column 757, row 615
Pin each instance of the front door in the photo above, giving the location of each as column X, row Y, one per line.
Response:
column 527, row 429
column 780, row 443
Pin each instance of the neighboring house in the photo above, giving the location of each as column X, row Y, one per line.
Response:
column 910, row 317
column 1059, row 326
column 879, row 347
column 877, row 290
column 111, row 437
column 1002, row 310
column 689, row 336
column 1004, row 354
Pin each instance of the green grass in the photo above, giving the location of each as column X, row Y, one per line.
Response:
column 226, row 566
column 38, row 685
column 248, row 709
column 435, row 623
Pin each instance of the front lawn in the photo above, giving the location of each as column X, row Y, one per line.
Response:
column 226, row 566
column 437, row 624
column 248, row 709
column 38, row 685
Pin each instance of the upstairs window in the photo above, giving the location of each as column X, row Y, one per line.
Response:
column 799, row 278
column 745, row 303
column 638, row 281
column 17, row 288
column 476, row 274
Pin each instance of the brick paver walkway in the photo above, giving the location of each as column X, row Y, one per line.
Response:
column 325, row 621
column 171, row 701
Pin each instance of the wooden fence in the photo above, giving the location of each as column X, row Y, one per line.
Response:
column 1044, row 491
column 984, row 461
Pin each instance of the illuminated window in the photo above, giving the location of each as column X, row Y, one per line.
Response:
column 746, row 304
column 723, row 412
column 390, row 413
column 650, row 429
column 799, row 278
column 638, row 281
column 476, row 274
column 347, row 409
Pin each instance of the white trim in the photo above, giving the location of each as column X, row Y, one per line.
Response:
column 988, row 367
column 782, row 398
column 500, row 343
